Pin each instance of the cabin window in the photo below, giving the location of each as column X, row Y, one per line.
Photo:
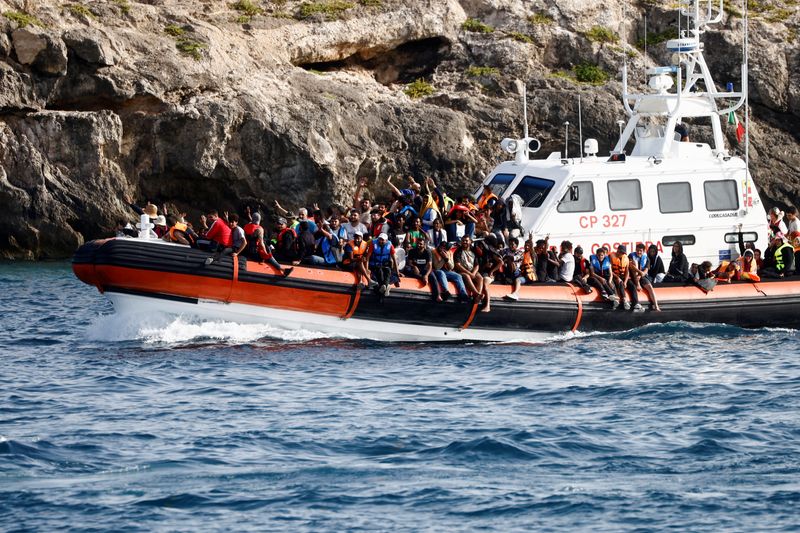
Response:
column 585, row 201
column 686, row 240
column 533, row 190
column 624, row 195
column 499, row 183
column 675, row 197
column 747, row 236
column 721, row 195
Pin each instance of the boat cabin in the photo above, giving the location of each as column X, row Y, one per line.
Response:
column 666, row 189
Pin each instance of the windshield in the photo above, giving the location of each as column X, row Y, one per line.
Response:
column 533, row 191
column 499, row 184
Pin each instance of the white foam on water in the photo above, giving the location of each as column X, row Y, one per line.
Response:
column 159, row 328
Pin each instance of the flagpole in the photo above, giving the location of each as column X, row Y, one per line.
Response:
column 746, row 109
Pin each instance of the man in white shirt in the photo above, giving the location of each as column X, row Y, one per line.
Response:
column 566, row 262
column 792, row 224
column 354, row 225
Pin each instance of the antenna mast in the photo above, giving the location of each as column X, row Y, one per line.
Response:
column 580, row 126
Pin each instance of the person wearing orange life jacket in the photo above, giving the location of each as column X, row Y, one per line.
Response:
column 528, row 267
column 488, row 198
column 621, row 275
column 179, row 232
column 520, row 265
column 286, row 249
column 355, row 259
column 748, row 268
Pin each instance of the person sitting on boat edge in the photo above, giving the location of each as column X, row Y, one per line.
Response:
column 639, row 264
column 778, row 259
column 466, row 264
column 601, row 276
column 566, row 269
column 621, row 275
column 216, row 238
column 179, row 232
column 678, row 271
column 238, row 239
column 655, row 266
column 382, row 264
column 748, row 268
column 489, row 257
column 355, row 259
column 419, row 264
column 285, row 241
column 307, row 246
column 443, row 269
column 582, row 265
column 326, row 245
column 513, row 259
column 543, row 266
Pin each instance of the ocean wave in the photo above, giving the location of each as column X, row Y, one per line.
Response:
column 487, row 447
column 161, row 329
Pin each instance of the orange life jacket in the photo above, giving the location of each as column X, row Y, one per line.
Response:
column 358, row 252
column 619, row 265
column 485, row 198
column 179, row 226
column 528, row 268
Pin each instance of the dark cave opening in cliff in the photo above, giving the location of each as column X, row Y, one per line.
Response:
column 403, row 64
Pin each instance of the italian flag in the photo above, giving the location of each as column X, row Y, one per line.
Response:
column 734, row 120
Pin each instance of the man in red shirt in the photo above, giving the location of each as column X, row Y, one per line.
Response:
column 219, row 232
column 219, row 235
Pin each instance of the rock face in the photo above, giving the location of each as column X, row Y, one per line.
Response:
column 199, row 105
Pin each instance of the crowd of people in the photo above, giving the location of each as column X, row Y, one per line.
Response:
column 424, row 234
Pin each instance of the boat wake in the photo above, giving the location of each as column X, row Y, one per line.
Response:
column 163, row 329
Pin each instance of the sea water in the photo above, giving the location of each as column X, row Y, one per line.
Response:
column 140, row 423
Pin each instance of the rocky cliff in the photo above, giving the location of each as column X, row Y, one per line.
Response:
column 205, row 103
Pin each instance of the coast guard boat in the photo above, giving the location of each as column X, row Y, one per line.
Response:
column 664, row 191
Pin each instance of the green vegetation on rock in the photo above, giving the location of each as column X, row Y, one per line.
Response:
column 174, row 30
column 601, row 34
column 80, row 10
column 476, row 26
column 124, row 6
column 191, row 47
column 371, row 3
column 23, row 19
column 541, row 19
column 588, row 73
column 331, row 9
column 247, row 9
column 521, row 37
column 476, row 72
column 419, row 88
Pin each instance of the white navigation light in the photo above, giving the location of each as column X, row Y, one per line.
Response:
column 509, row 145
column 534, row 145
column 661, row 82
column 590, row 147
column 687, row 44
